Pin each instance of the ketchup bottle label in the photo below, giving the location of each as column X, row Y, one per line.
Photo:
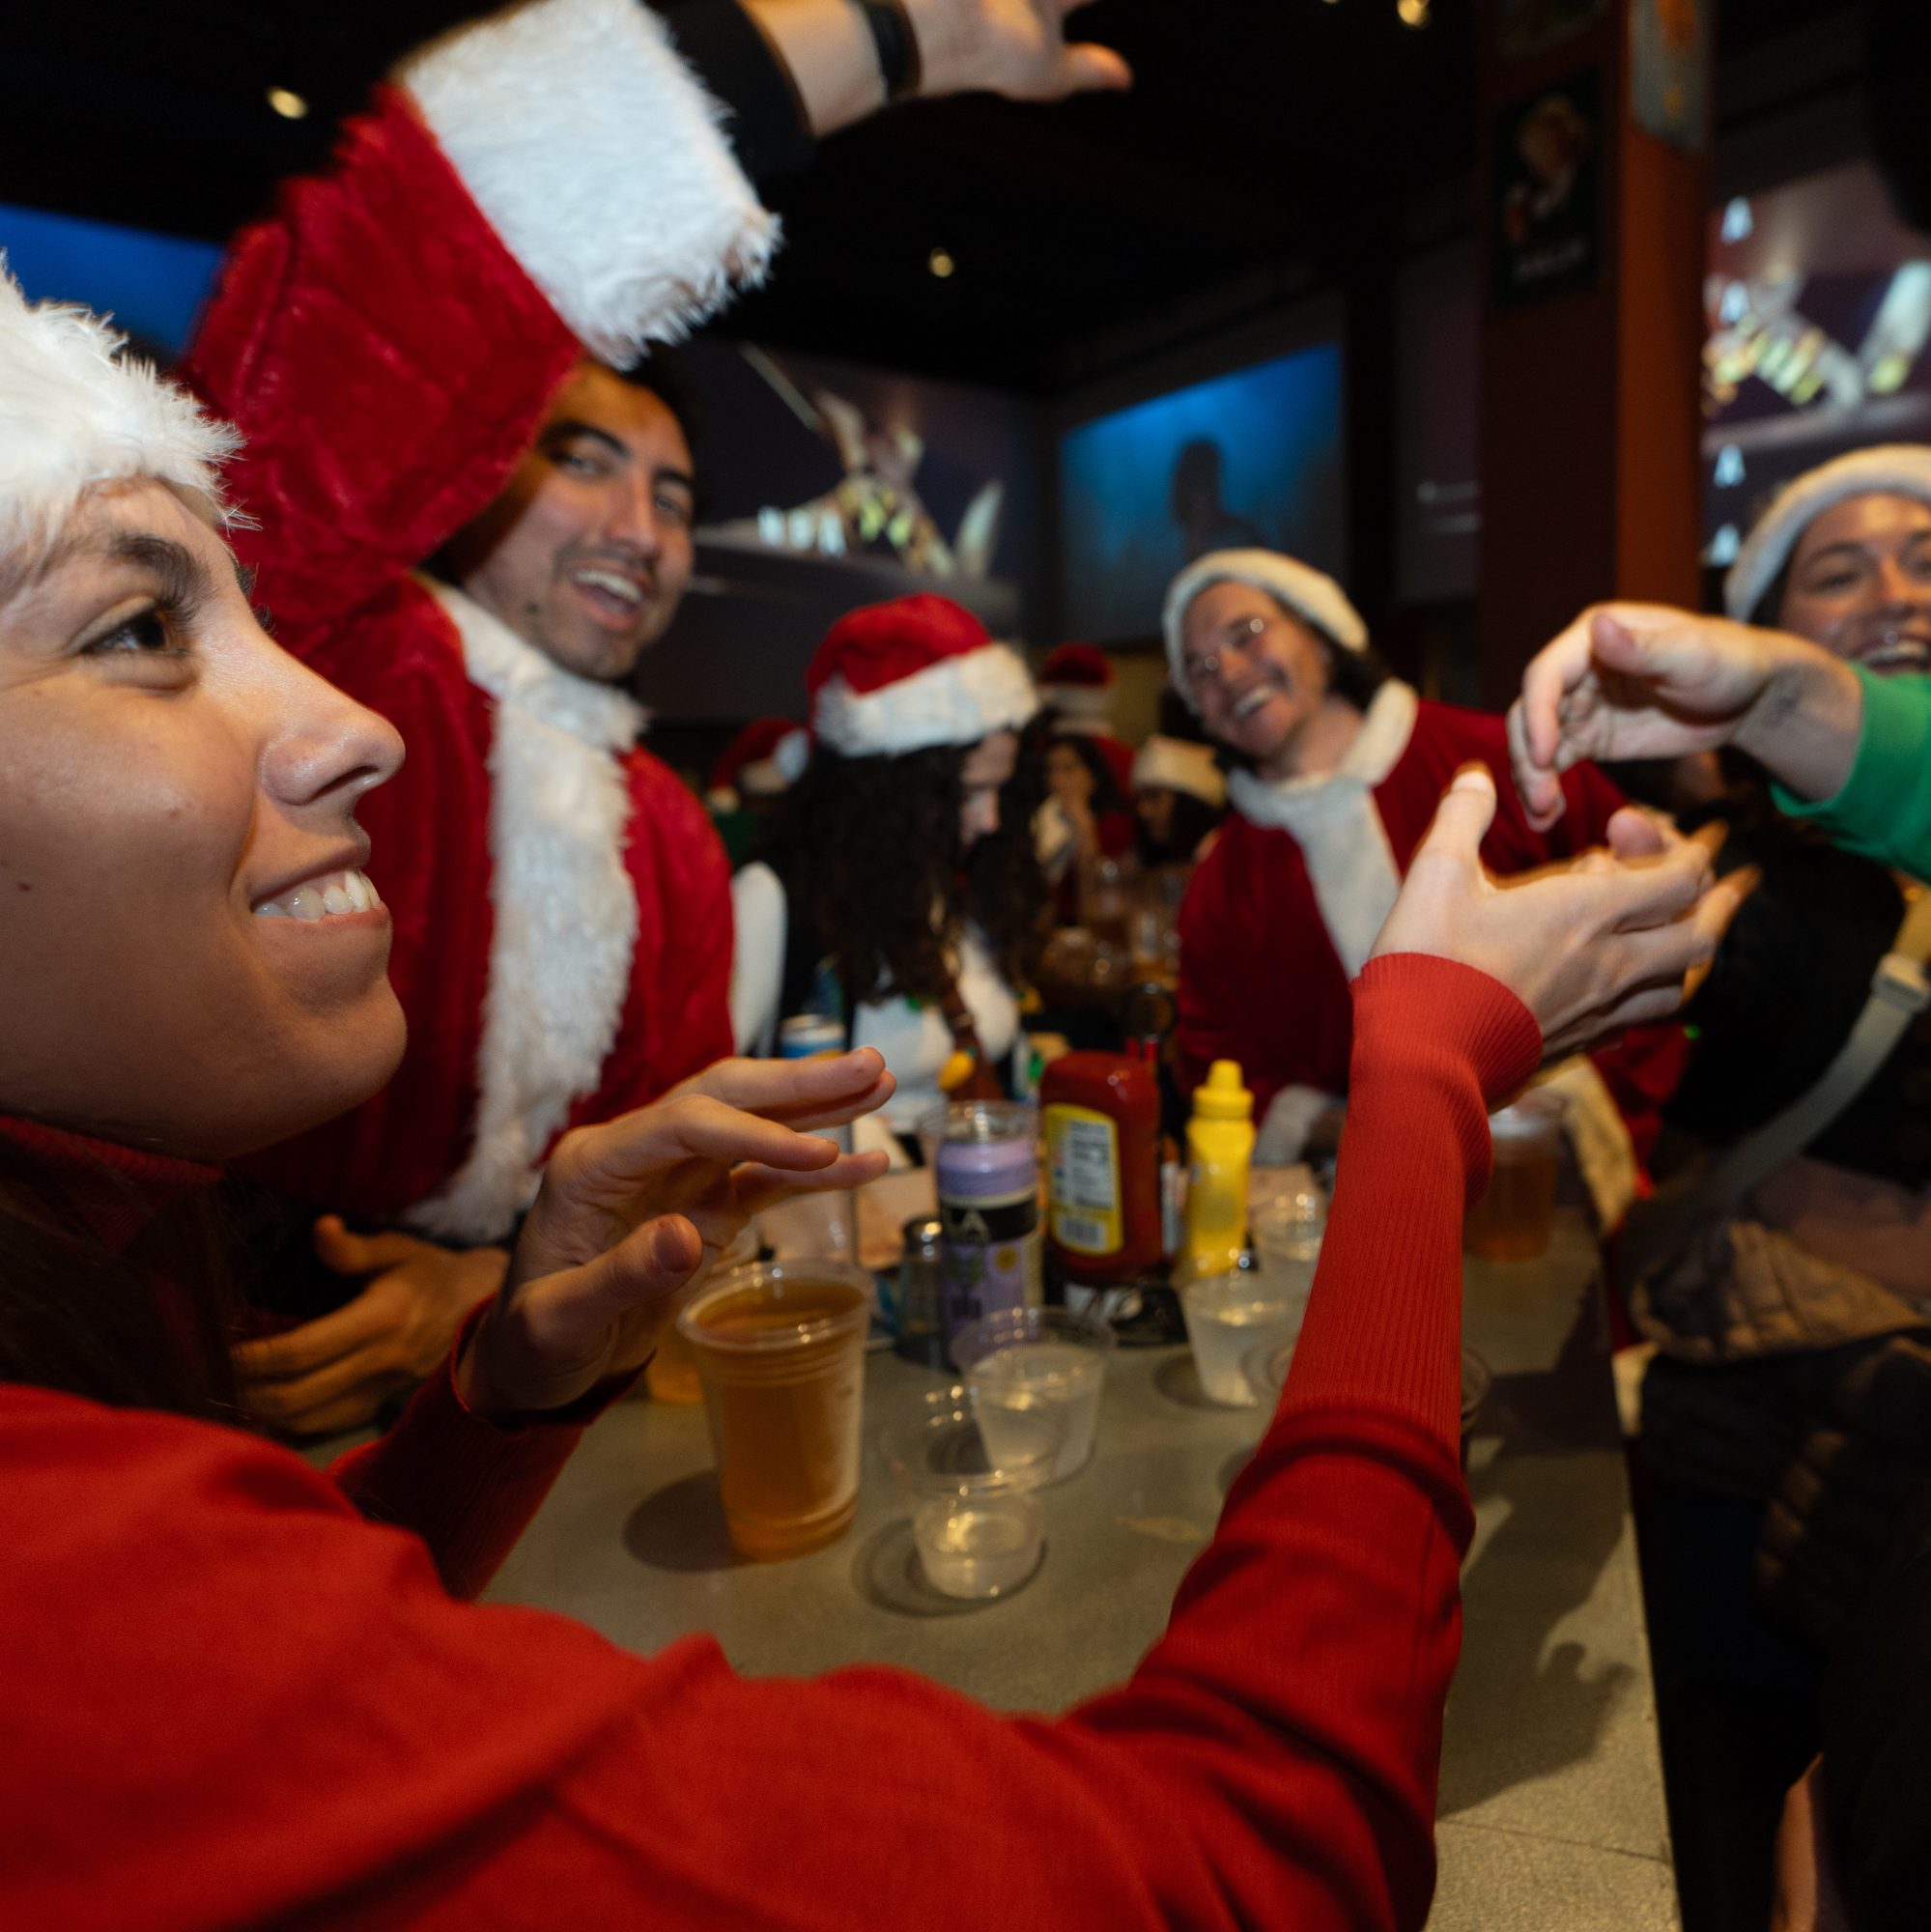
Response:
column 1083, row 1154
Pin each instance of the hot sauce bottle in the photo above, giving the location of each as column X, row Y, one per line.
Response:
column 1102, row 1126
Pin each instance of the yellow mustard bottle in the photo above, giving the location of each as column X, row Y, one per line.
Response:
column 1220, row 1146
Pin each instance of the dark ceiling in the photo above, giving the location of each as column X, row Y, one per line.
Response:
column 1275, row 145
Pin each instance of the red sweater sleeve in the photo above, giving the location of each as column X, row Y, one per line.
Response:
column 466, row 1486
column 299, row 1725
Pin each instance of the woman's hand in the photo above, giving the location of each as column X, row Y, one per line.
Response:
column 631, row 1210
column 1589, row 947
column 1646, row 681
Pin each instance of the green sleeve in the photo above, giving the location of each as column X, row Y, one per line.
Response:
column 1884, row 809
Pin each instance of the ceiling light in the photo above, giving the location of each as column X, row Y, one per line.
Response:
column 1414, row 13
column 940, row 263
column 291, row 106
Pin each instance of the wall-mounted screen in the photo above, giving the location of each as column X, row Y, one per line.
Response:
column 1252, row 458
column 150, row 284
column 1819, row 339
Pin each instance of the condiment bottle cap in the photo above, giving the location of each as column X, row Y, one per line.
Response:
column 1221, row 1096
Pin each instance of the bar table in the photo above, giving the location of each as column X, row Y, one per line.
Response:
column 1552, row 1815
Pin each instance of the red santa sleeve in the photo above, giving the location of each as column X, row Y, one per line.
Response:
column 545, row 181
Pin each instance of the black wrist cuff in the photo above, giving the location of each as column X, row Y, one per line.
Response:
column 898, row 46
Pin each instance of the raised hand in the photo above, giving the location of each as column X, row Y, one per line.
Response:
column 1014, row 47
column 630, row 1212
column 1647, row 681
column 1589, row 947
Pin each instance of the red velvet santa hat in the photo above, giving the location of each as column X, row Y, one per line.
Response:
column 750, row 766
column 898, row 677
column 1076, row 685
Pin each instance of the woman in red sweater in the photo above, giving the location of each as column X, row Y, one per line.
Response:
column 240, row 1695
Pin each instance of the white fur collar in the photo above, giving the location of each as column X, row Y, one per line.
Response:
column 559, row 803
column 1386, row 727
column 514, row 672
column 1333, row 817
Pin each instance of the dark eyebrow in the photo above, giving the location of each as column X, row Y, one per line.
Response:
column 182, row 575
column 565, row 428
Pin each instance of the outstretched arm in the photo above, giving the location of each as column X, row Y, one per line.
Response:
column 1645, row 681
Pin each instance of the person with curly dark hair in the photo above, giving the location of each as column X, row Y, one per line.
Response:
column 899, row 892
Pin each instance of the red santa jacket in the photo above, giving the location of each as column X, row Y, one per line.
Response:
column 561, row 904
column 1276, row 920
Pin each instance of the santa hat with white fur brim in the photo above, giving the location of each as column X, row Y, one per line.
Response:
column 1891, row 469
column 917, row 671
column 1297, row 586
column 1173, row 764
column 1076, row 685
column 72, row 415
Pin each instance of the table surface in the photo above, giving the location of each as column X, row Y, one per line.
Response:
column 1552, row 1789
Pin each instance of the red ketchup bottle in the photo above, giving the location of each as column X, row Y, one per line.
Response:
column 1102, row 1126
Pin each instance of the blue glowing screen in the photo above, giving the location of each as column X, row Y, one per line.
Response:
column 150, row 284
column 1253, row 458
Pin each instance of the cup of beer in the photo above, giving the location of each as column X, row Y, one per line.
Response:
column 779, row 1348
column 1513, row 1219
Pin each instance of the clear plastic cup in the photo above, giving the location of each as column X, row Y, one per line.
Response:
column 1289, row 1229
column 976, row 1520
column 1515, row 1215
column 779, row 1348
column 1234, row 1316
column 1037, row 1351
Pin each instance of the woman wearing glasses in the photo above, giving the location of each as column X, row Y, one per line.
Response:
column 1336, row 766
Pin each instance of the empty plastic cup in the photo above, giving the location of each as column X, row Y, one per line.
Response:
column 1039, row 1351
column 780, row 1349
column 975, row 1519
column 1232, row 1317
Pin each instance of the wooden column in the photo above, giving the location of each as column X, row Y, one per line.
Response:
column 1590, row 393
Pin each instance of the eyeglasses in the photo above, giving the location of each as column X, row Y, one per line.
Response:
column 1240, row 638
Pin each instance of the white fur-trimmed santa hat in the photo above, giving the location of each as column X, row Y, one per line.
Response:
column 1076, row 685
column 74, row 416
column 1889, row 469
column 1298, row 587
column 898, row 677
column 1173, row 764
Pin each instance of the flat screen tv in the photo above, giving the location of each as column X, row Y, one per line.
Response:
column 1251, row 458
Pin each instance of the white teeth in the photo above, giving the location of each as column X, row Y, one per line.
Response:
column 1252, row 701
column 609, row 581
column 326, row 897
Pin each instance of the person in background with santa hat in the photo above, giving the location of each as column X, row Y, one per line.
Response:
column 747, row 781
column 1076, row 690
column 1180, row 797
column 1336, row 768
column 900, row 893
column 423, row 349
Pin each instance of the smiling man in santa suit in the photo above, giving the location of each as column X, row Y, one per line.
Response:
column 472, row 521
column 1337, row 767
